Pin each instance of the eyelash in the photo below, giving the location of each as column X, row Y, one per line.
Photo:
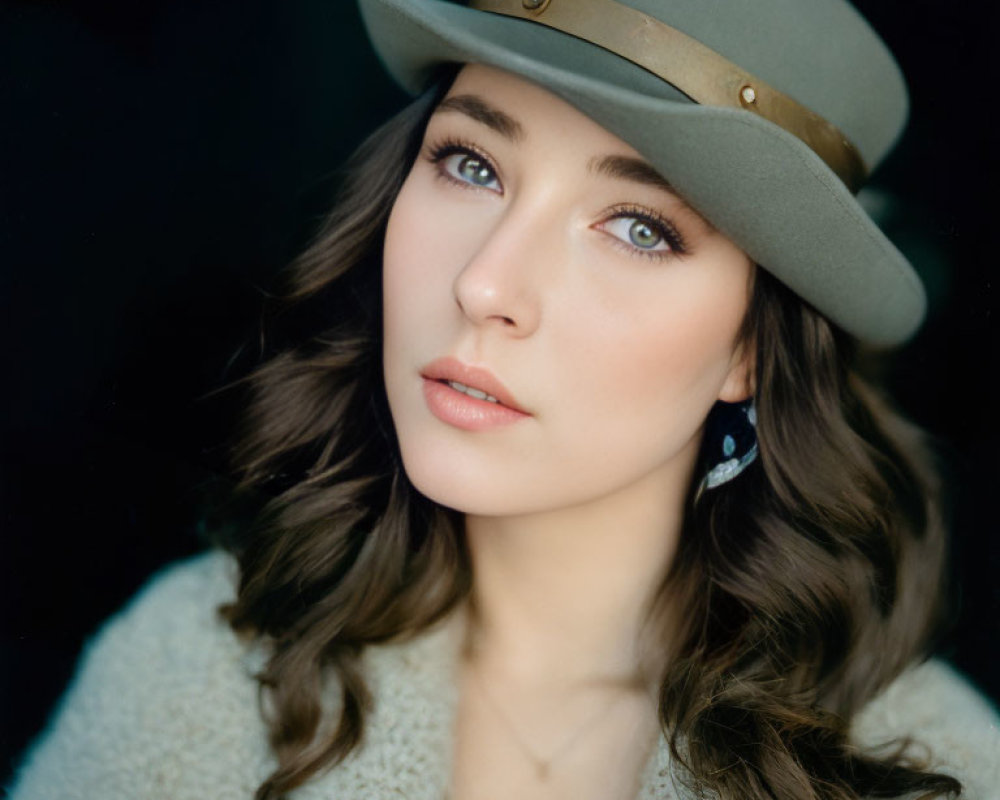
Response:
column 437, row 153
column 664, row 229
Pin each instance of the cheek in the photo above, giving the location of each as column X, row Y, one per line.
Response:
column 403, row 239
column 411, row 267
column 654, row 371
column 428, row 239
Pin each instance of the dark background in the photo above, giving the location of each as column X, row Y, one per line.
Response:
column 160, row 161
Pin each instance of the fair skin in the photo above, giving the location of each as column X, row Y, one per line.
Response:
column 533, row 245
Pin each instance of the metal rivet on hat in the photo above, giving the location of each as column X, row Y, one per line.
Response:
column 748, row 95
column 534, row 5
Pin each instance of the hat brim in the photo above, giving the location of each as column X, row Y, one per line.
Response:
column 760, row 186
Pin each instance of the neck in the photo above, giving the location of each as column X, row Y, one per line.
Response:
column 561, row 597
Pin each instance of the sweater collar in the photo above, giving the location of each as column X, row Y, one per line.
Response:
column 408, row 739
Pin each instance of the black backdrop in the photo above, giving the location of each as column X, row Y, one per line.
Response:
column 159, row 161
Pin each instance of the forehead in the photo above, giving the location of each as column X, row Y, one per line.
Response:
column 524, row 113
column 531, row 108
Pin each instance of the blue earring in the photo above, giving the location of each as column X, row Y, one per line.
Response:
column 730, row 442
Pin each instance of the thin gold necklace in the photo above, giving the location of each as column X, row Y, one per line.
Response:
column 541, row 764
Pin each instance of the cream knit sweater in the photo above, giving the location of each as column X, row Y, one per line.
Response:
column 165, row 708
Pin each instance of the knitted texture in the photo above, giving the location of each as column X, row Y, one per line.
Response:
column 165, row 707
column 954, row 730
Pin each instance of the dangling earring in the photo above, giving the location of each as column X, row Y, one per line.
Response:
column 730, row 442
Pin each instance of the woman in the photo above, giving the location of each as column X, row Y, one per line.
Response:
column 573, row 491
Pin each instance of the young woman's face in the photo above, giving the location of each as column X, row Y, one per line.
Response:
column 534, row 257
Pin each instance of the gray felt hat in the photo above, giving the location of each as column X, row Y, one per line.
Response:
column 797, row 101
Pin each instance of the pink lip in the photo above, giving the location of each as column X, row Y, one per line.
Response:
column 459, row 409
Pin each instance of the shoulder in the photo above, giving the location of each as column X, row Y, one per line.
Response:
column 171, row 629
column 164, row 703
column 952, row 727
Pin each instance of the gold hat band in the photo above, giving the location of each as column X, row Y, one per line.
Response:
column 690, row 66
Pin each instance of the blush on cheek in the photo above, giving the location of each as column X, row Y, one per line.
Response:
column 665, row 352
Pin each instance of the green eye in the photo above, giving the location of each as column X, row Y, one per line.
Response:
column 643, row 235
column 475, row 170
column 467, row 167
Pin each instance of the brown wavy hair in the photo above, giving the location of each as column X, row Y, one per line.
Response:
column 799, row 590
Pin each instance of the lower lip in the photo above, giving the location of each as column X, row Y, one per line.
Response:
column 469, row 413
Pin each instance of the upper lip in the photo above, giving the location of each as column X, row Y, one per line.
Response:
column 451, row 369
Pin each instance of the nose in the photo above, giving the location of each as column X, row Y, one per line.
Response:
column 500, row 285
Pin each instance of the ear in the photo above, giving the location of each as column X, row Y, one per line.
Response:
column 741, row 382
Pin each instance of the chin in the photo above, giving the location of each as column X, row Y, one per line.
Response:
column 463, row 490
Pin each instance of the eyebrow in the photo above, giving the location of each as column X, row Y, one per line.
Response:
column 629, row 168
column 478, row 109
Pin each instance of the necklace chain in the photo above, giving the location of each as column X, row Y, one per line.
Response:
column 541, row 764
